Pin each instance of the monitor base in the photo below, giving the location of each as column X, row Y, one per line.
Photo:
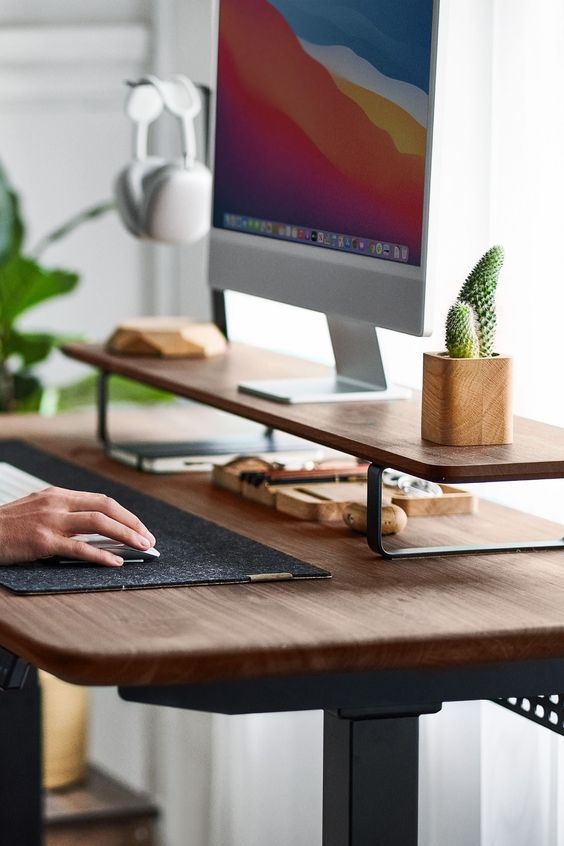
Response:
column 359, row 371
column 331, row 389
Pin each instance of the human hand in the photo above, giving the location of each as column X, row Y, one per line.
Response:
column 43, row 524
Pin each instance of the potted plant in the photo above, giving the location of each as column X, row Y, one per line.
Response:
column 26, row 282
column 468, row 390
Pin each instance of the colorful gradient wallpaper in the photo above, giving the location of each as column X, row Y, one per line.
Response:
column 322, row 115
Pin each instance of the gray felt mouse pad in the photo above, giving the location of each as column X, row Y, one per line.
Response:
column 193, row 551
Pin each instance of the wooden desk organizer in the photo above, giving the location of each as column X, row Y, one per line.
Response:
column 453, row 501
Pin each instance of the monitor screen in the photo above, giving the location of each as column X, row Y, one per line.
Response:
column 321, row 124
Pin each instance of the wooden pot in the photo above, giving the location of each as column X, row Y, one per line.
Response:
column 467, row 401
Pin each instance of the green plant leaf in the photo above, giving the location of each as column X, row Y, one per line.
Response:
column 126, row 390
column 73, row 223
column 78, row 394
column 23, row 284
column 83, row 393
column 32, row 347
column 11, row 224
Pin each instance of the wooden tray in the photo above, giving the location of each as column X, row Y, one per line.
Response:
column 300, row 501
column 318, row 501
column 453, row 501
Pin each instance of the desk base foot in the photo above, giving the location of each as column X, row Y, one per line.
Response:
column 371, row 778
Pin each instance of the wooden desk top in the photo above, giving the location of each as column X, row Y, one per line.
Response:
column 445, row 612
column 388, row 433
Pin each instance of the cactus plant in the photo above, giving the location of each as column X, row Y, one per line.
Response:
column 477, row 292
column 461, row 336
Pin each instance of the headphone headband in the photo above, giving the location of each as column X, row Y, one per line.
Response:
column 144, row 104
column 182, row 99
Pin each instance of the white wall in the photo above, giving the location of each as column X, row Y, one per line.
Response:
column 62, row 139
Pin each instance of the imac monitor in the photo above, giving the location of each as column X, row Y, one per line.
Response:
column 322, row 149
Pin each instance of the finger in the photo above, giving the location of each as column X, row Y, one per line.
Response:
column 72, row 550
column 86, row 501
column 79, row 501
column 89, row 522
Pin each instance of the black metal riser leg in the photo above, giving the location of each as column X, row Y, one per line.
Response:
column 370, row 780
column 102, row 407
column 375, row 540
column 20, row 765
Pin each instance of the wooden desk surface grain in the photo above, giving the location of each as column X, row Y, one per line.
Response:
column 388, row 433
column 373, row 614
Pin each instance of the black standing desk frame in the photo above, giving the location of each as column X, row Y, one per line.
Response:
column 371, row 735
column 375, row 539
column 371, row 731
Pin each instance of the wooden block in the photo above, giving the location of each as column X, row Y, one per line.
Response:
column 99, row 812
column 227, row 476
column 394, row 518
column 467, row 401
column 453, row 501
column 263, row 494
column 167, row 337
column 322, row 501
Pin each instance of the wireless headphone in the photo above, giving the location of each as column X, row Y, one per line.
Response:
column 157, row 199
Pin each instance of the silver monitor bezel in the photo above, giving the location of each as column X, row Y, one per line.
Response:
column 388, row 294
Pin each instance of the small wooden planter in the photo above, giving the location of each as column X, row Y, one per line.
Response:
column 467, row 401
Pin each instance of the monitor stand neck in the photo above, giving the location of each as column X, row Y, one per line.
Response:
column 359, row 371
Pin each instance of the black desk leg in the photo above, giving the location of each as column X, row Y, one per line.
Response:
column 20, row 765
column 370, row 780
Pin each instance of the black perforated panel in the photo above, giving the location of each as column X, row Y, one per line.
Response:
column 547, row 711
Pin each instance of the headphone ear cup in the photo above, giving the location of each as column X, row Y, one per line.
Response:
column 129, row 192
column 177, row 205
